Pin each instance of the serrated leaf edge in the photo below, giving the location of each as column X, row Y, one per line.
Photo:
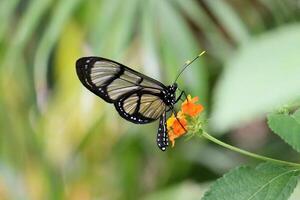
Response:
column 269, row 121
column 270, row 181
column 245, row 167
column 224, row 176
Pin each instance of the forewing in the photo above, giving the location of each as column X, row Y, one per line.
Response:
column 162, row 138
column 141, row 107
column 111, row 80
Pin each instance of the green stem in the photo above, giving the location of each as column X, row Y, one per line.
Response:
column 247, row 153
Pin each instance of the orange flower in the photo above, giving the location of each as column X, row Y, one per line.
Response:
column 171, row 121
column 189, row 107
column 178, row 127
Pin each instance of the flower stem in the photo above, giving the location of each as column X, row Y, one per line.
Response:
column 247, row 153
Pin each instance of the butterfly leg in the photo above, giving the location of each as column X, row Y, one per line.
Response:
column 168, row 109
column 175, row 114
column 179, row 97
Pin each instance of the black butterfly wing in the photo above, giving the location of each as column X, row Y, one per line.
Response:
column 135, row 96
column 162, row 138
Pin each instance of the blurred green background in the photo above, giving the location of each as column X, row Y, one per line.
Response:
column 59, row 141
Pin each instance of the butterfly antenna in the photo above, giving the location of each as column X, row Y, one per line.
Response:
column 188, row 63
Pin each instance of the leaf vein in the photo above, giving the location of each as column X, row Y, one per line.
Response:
column 270, row 181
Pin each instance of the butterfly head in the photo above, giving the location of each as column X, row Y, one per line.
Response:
column 172, row 88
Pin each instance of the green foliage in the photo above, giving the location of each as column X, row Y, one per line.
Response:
column 287, row 127
column 60, row 16
column 266, row 181
column 263, row 74
column 186, row 190
column 296, row 115
column 230, row 20
column 58, row 141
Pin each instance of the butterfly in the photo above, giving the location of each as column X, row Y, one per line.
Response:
column 137, row 98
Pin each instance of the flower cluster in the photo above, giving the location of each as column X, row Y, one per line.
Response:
column 178, row 125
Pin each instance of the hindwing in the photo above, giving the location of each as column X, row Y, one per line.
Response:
column 140, row 107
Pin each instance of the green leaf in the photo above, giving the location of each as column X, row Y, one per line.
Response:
column 219, row 46
column 296, row 116
column 150, row 41
column 296, row 193
column 102, row 23
column 287, row 127
column 60, row 16
column 263, row 74
column 178, row 46
column 185, row 190
column 266, row 181
column 112, row 33
column 6, row 12
column 229, row 19
column 26, row 27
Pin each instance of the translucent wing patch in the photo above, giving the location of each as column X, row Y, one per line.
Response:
column 151, row 106
column 162, row 138
column 96, row 75
column 101, row 72
column 140, row 107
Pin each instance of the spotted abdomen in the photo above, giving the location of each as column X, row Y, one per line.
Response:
column 162, row 134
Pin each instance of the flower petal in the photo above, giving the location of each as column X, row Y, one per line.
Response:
column 170, row 121
column 189, row 106
column 177, row 125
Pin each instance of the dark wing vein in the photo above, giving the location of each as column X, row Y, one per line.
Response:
column 149, row 106
column 137, row 84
